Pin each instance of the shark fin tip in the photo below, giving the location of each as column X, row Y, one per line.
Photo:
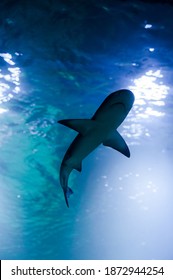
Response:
column 127, row 153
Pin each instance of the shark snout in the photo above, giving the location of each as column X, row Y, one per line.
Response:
column 124, row 97
column 128, row 100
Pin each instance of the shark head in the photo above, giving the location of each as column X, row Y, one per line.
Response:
column 115, row 107
column 124, row 96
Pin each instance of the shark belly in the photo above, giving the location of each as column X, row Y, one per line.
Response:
column 82, row 146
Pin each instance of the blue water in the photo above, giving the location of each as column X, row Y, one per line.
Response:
column 60, row 59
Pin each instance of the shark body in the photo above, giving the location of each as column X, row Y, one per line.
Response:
column 100, row 129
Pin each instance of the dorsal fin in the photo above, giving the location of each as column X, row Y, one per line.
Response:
column 80, row 125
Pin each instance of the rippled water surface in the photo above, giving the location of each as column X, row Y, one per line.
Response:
column 60, row 59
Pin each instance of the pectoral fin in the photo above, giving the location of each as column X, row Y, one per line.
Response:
column 117, row 142
column 80, row 125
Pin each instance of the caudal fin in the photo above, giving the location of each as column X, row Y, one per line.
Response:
column 67, row 193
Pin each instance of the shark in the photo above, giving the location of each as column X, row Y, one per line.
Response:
column 100, row 129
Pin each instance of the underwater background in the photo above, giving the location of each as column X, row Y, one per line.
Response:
column 60, row 59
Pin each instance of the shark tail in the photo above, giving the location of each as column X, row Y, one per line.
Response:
column 67, row 193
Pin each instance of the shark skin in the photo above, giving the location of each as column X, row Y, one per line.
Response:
column 100, row 129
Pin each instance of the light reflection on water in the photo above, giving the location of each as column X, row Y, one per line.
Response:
column 9, row 80
column 150, row 93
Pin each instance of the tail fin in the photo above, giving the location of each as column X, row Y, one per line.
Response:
column 67, row 193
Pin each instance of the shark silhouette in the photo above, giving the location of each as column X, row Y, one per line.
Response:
column 100, row 129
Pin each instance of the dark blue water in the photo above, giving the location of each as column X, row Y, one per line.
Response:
column 60, row 59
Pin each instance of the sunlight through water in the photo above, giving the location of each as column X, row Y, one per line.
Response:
column 9, row 79
column 150, row 93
